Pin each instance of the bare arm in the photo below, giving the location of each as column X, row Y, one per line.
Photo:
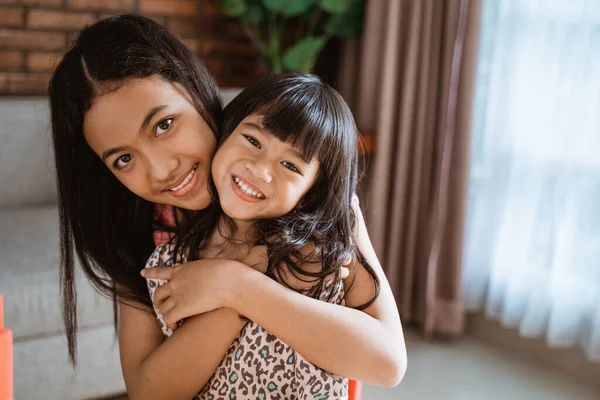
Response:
column 179, row 367
column 365, row 345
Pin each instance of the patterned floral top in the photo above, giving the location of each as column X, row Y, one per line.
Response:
column 258, row 365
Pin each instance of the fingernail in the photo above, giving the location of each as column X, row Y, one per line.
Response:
column 143, row 272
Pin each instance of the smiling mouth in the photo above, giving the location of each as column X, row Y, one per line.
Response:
column 187, row 180
column 246, row 189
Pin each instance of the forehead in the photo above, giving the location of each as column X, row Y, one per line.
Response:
column 254, row 122
column 124, row 109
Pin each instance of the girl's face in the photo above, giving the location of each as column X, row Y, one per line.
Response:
column 257, row 175
column 149, row 134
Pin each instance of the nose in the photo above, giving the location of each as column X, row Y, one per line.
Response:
column 162, row 167
column 259, row 171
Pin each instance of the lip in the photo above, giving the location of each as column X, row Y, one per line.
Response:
column 187, row 188
column 237, row 190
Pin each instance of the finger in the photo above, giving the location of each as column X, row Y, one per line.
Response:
column 161, row 294
column 344, row 272
column 165, row 273
column 173, row 316
column 175, row 325
column 166, row 308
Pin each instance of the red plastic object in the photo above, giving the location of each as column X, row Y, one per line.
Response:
column 354, row 389
column 6, row 358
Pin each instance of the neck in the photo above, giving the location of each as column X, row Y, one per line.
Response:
column 237, row 230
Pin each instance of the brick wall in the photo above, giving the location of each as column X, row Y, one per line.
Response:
column 35, row 33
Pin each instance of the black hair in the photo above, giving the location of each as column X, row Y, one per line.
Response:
column 307, row 113
column 105, row 224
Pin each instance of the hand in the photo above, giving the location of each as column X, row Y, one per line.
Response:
column 192, row 288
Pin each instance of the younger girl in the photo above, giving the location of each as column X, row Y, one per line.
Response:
column 285, row 173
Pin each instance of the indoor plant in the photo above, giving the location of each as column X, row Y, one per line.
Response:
column 289, row 35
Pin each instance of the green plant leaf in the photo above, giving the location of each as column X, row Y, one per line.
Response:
column 289, row 8
column 233, row 8
column 298, row 7
column 309, row 13
column 301, row 57
column 254, row 15
column 335, row 6
column 349, row 24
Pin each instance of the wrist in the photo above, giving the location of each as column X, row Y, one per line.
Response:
column 235, row 276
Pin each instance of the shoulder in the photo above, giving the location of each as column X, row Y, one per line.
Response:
column 360, row 286
column 164, row 256
column 303, row 280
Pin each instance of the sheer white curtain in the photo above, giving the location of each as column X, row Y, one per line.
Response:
column 532, row 256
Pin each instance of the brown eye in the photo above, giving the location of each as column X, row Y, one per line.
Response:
column 253, row 141
column 123, row 161
column 163, row 126
column 290, row 166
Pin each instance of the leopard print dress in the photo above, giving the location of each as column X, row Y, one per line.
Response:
column 258, row 365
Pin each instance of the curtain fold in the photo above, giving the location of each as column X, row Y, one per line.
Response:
column 410, row 83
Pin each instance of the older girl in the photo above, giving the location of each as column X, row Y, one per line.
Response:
column 125, row 83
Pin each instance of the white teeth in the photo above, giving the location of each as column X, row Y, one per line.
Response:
column 247, row 190
column 185, row 181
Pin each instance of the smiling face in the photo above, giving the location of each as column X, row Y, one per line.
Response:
column 258, row 176
column 149, row 134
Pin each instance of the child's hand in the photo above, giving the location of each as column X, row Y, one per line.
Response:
column 192, row 288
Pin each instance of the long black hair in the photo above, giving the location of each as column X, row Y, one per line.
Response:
column 305, row 112
column 106, row 225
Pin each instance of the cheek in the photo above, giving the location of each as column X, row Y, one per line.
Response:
column 217, row 167
column 198, row 141
column 222, row 160
column 292, row 195
column 135, row 182
column 297, row 192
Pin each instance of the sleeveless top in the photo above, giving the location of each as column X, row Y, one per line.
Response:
column 258, row 365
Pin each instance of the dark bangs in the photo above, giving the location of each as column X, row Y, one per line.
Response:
column 299, row 110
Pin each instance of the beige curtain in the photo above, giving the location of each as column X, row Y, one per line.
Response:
column 410, row 82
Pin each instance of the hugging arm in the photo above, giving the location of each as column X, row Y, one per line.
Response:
column 364, row 345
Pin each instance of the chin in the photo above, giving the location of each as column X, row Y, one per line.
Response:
column 199, row 204
column 195, row 204
column 237, row 215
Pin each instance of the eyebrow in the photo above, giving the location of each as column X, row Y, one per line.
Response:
column 149, row 116
column 153, row 111
column 264, row 131
column 112, row 151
